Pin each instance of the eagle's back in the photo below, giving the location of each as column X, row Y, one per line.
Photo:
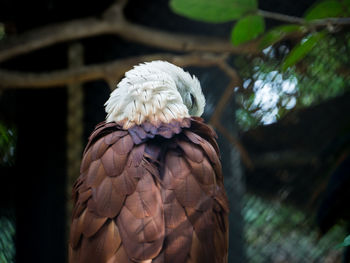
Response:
column 150, row 194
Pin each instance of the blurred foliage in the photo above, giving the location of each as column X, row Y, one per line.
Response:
column 8, row 138
column 278, row 33
column 268, row 223
column 269, row 93
column 302, row 49
column 345, row 243
column 7, row 234
column 290, row 74
column 7, row 144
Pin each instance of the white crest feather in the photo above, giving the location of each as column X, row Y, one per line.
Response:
column 156, row 92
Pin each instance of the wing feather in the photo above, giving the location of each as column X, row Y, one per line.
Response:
column 111, row 138
column 189, row 193
column 107, row 200
column 178, row 230
column 192, row 151
column 123, row 145
column 102, row 246
column 85, row 163
column 91, row 223
column 120, row 256
column 81, row 202
column 141, row 221
column 76, row 230
column 98, row 149
column 202, row 196
column 176, row 170
column 205, row 131
column 95, row 174
column 209, row 150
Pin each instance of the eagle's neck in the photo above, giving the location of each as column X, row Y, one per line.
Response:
column 155, row 100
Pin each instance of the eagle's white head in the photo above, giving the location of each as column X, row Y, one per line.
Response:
column 156, row 91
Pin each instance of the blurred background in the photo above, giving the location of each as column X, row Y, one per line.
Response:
column 276, row 76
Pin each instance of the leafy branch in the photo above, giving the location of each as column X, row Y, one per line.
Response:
column 326, row 16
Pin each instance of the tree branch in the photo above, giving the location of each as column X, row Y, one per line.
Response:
column 281, row 17
column 111, row 71
column 113, row 22
column 49, row 35
column 341, row 21
column 236, row 143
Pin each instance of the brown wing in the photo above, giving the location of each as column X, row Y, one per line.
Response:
column 195, row 203
column 118, row 214
column 148, row 198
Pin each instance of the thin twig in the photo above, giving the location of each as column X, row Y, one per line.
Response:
column 281, row 17
column 232, row 139
column 336, row 21
column 215, row 121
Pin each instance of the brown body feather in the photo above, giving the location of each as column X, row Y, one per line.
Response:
column 150, row 194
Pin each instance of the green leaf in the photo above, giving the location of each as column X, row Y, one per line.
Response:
column 3, row 134
column 301, row 50
column 247, row 29
column 215, row 11
column 324, row 9
column 345, row 243
column 278, row 33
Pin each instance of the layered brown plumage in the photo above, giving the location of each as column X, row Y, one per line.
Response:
column 150, row 194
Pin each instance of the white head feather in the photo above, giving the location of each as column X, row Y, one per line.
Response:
column 156, row 91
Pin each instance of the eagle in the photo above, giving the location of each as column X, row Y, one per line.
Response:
column 151, row 186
